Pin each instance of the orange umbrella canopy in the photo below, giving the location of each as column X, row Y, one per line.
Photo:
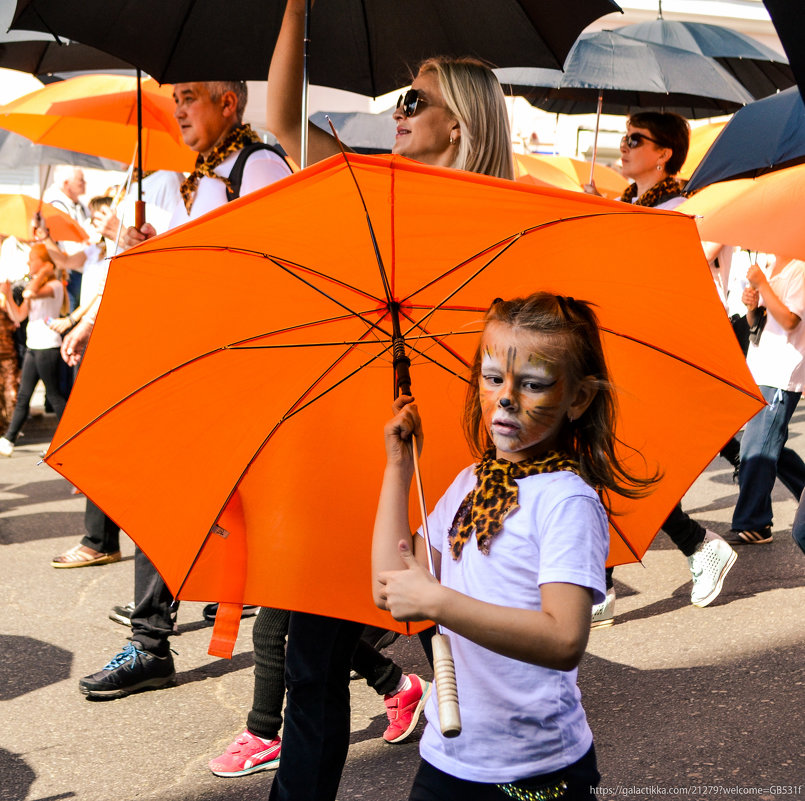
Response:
column 574, row 173
column 17, row 213
column 243, row 449
column 763, row 214
column 701, row 137
column 97, row 114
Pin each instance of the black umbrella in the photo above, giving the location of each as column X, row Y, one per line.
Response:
column 766, row 135
column 759, row 69
column 40, row 54
column 789, row 21
column 364, row 46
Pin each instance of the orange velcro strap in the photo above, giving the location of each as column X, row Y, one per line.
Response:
column 225, row 630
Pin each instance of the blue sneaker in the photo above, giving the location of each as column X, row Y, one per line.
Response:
column 129, row 672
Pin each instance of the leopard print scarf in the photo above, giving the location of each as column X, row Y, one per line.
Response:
column 234, row 141
column 494, row 497
column 661, row 191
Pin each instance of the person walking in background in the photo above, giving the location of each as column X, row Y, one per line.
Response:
column 652, row 153
column 454, row 116
column 776, row 358
column 42, row 301
column 65, row 193
column 210, row 117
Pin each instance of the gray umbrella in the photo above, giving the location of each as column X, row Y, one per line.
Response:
column 609, row 73
column 17, row 151
column 629, row 75
column 359, row 130
column 759, row 69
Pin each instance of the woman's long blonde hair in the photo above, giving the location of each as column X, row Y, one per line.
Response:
column 472, row 94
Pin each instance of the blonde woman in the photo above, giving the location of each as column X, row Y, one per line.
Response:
column 454, row 116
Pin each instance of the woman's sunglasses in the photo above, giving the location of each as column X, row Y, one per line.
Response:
column 409, row 102
column 636, row 139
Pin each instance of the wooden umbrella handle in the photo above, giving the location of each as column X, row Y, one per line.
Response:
column 444, row 673
column 444, row 669
column 139, row 214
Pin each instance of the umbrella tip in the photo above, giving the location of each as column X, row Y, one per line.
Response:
column 659, row 9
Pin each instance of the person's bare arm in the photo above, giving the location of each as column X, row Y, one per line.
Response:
column 284, row 98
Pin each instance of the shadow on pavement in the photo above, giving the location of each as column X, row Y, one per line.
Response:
column 29, row 665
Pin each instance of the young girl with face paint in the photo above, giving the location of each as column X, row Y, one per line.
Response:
column 519, row 542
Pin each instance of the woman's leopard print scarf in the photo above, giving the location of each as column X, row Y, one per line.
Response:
column 661, row 191
column 234, row 141
column 494, row 497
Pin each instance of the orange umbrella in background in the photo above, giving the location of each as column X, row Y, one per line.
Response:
column 97, row 114
column 544, row 170
column 17, row 213
column 763, row 214
column 701, row 137
column 245, row 454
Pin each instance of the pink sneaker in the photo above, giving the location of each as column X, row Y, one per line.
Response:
column 404, row 708
column 246, row 755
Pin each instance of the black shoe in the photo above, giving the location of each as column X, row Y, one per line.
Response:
column 122, row 614
column 211, row 610
column 759, row 537
column 130, row 671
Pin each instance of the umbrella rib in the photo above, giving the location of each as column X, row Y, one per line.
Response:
column 679, row 359
column 278, row 261
column 623, row 538
column 293, row 411
column 383, row 276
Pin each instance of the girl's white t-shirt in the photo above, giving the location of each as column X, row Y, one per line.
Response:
column 518, row 719
column 39, row 335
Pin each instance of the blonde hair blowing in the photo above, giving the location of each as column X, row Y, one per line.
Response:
column 473, row 96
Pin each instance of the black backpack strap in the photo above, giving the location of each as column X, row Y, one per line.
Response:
column 236, row 176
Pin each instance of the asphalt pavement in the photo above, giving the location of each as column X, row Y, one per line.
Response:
column 682, row 701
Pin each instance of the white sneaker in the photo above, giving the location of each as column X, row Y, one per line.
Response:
column 709, row 565
column 604, row 613
column 6, row 447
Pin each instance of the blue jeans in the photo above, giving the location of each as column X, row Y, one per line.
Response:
column 761, row 446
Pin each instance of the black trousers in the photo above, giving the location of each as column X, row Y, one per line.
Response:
column 151, row 621
column 432, row 784
column 37, row 364
column 103, row 534
column 317, row 713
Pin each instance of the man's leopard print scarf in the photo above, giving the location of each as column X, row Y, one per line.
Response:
column 234, row 141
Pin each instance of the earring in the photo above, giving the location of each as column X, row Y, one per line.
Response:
column 452, row 140
column 659, row 167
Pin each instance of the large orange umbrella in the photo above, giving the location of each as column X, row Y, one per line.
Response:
column 97, row 114
column 762, row 214
column 242, row 449
column 17, row 214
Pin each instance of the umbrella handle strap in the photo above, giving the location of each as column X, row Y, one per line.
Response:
column 225, row 630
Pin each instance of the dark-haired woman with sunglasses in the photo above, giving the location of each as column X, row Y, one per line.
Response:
column 652, row 153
